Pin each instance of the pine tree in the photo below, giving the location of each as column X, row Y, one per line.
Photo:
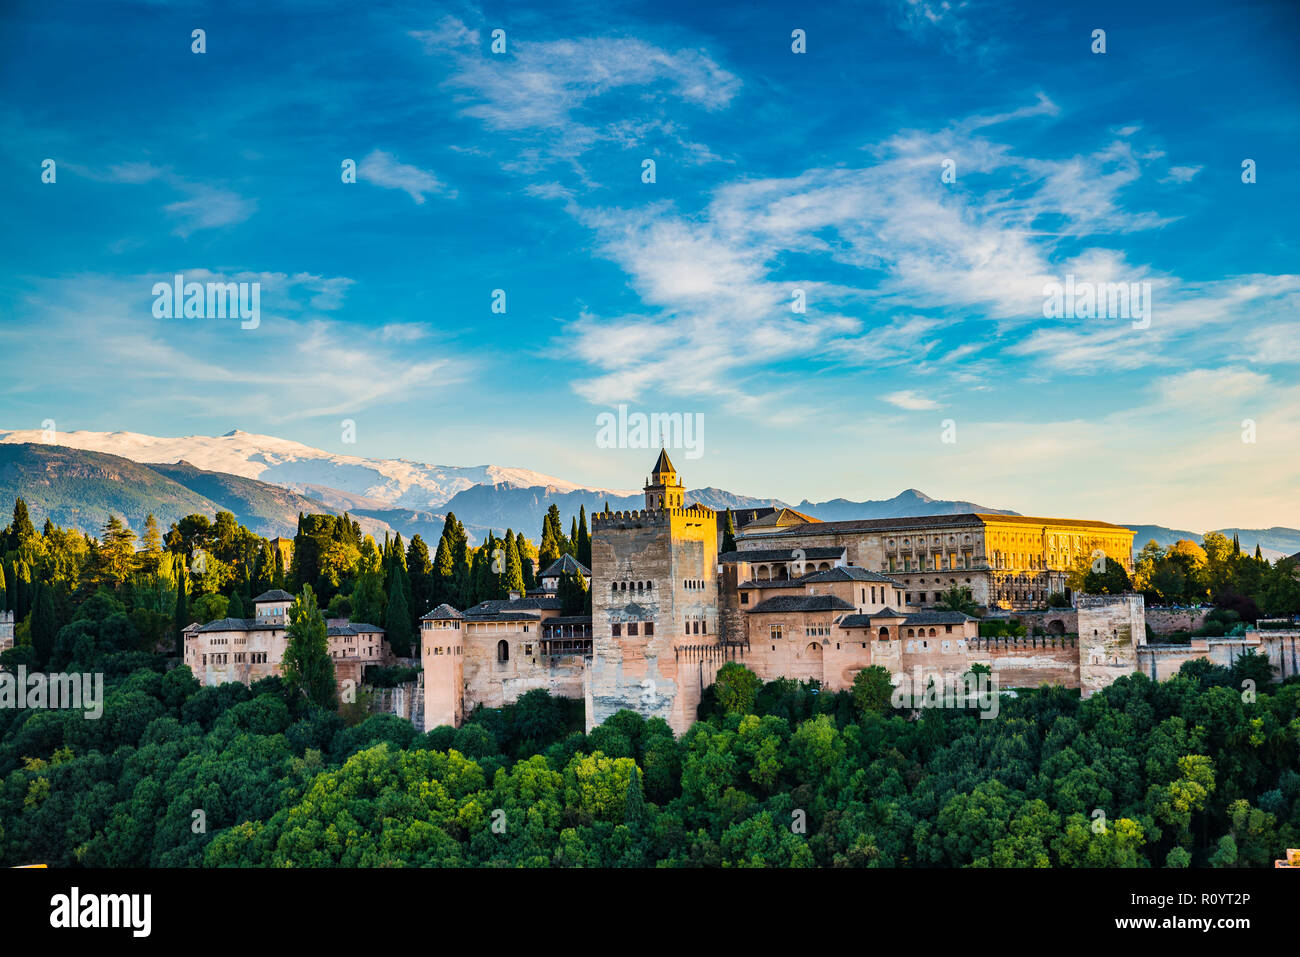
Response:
column 22, row 530
column 307, row 668
column 151, row 542
column 584, row 538
column 118, row 551
column 729, row 534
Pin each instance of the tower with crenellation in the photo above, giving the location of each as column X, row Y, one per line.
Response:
column 655, row 641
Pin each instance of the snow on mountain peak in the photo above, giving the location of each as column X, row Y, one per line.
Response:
column 392, row 483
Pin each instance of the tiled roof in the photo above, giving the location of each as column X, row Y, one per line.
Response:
column 848, row 573
column 662, row 464
column 780, row 555
column 275, row 594
column 563, row 564
column 443, row 612
column 958, row 520
column 499, row 605
column 938, row 618
column 503, row 616
column 801, row 603
column 230, row 624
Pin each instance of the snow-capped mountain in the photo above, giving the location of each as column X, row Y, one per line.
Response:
column 364, row 482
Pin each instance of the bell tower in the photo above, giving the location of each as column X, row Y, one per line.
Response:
column 662, row 489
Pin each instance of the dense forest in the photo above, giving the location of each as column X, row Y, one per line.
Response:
column 1190, row 771
column 1193, row 771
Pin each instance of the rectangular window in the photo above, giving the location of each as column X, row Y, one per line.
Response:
column 618, row 630
column 744, row 598
column 649, row 628
column 631, row 629
column 776, row 632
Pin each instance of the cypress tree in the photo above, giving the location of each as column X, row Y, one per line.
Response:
column 526, row 562
column 1236, row 544
column 235, row 608
column 44, row 625
column 584, row 538
column 462, row 587
column 514, row 575
column 729, row 534
column 308, row 669
column 551, row 547
column 572, row 543
column 420, row 570
column 182, row 615
column 398, row 620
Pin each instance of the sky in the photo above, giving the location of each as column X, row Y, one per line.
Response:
column 919, row 176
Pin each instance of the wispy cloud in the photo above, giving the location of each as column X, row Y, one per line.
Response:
column 910, row 400
column 384, row 170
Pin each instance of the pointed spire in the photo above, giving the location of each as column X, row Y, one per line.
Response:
column 663, row 465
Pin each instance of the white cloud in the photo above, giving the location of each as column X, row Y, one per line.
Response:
column 910, row 400
column 383, row 169
column 295, row 365
column 549, row 88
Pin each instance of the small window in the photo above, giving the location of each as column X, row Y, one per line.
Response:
column 618, row 630
column 503, row 650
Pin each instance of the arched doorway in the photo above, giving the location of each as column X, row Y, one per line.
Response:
column 808, row 663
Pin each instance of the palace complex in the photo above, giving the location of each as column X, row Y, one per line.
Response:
column 797, row 598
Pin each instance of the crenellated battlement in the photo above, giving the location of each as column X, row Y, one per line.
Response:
column 643, row 518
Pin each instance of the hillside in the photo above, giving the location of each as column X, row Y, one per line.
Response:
column 76, row 488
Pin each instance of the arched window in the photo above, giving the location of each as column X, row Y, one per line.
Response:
column 503, row 650
column 931, row 632
column 884, row 634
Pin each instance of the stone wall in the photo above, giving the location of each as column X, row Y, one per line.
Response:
column 1165, row 621
column 405, row 700
column 1111, row 627
column 1029, row 662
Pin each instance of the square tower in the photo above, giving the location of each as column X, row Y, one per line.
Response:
column 654, row 606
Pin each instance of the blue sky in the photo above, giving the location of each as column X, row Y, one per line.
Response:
column 775, row 171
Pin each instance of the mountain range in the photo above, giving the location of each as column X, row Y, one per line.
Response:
column 266, row 481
